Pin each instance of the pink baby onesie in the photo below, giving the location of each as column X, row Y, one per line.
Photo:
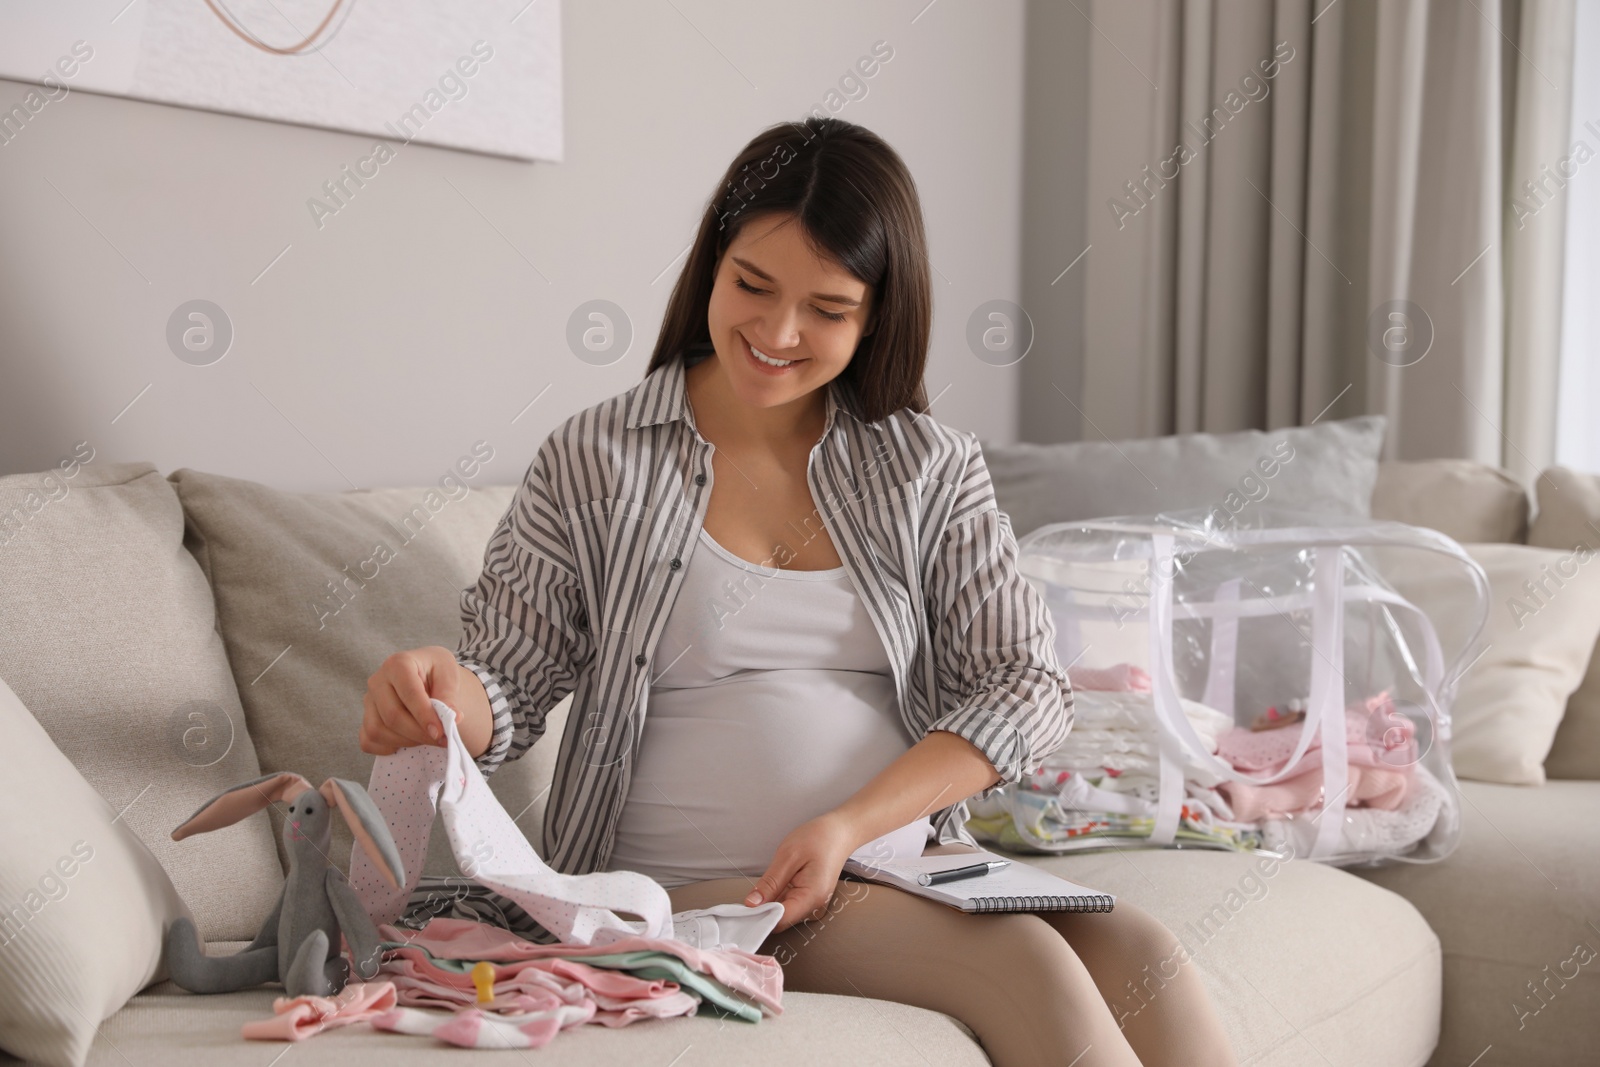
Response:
column 297, row 1018
column 1121, row 678
column 1381, row 748
column 1370, row 787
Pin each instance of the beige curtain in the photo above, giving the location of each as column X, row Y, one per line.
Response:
column 1303, row 209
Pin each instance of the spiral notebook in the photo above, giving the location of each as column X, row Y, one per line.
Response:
column 1019, row 887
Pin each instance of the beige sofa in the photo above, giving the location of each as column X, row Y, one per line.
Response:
column 178, row 635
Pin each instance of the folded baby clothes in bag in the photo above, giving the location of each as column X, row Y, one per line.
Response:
column 1103, row 784
column 1253, row 683
column 412, row 785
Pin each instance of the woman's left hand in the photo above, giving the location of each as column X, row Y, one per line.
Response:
column 806, row 868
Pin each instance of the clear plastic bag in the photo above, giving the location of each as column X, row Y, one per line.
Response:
column 1253, row 686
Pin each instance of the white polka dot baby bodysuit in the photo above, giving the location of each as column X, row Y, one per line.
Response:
column 410, row 785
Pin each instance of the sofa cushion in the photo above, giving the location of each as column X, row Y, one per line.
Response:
column 1331, row 467
column 1466, row 500
column 1515, row 904
column 1569, row 516
column 110, row 641
column 1305, row 963
column 314, row 590
column 167, row 1025
column 1543, row 622
column 85, row 902
column 1569, row 509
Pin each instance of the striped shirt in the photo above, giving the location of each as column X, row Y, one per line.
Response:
column 582, row 571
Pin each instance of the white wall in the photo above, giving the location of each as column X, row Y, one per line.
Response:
column 379, row 348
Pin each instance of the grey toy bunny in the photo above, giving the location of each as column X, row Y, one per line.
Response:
column 299, row 943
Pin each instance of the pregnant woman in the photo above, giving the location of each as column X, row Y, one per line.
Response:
column 788, row 610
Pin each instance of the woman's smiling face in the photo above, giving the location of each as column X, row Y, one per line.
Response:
column 772, row 294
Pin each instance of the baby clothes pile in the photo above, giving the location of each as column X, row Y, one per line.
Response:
column 613, row 984
column 1103, row 782
column 498, row 989
column 1391, row 800
column 536, row 991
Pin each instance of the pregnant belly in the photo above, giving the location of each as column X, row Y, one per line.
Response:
column 725, row 771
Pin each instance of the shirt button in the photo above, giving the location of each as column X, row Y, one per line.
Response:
column 639, row 661
column 699, row 479
column 676, row 563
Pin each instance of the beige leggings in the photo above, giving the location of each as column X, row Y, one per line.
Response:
column 1037, row 988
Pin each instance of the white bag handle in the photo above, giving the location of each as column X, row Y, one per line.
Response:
column 1169, row 710
column 1324, row 713
column 1224, row 665
column 1169, row 748
column 1326, row 700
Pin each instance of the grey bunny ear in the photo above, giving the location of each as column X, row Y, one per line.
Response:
column 368, row 826
column 242, row 801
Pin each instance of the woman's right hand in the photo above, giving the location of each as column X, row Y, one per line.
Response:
column 398, row 705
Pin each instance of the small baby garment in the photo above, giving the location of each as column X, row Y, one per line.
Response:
column 297, row 1018
column 474, row 1028
column 414, row 783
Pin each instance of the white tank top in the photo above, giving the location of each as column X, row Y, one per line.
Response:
column 773, row 701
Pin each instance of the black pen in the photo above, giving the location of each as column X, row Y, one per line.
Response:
column 958, row 873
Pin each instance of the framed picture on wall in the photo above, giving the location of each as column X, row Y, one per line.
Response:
column 481, row 75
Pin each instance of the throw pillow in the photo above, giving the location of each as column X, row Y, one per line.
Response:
column 1328, row 468
column 315, row 590
column 110, row 640
column 1463, row 499
column 1569, row 516
column 84, row 905
column 1544, row 619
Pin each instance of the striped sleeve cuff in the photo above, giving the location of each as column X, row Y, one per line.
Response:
column 501, row 692
column 1000, row 740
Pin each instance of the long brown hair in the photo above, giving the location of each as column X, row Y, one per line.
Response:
column 856, row 205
